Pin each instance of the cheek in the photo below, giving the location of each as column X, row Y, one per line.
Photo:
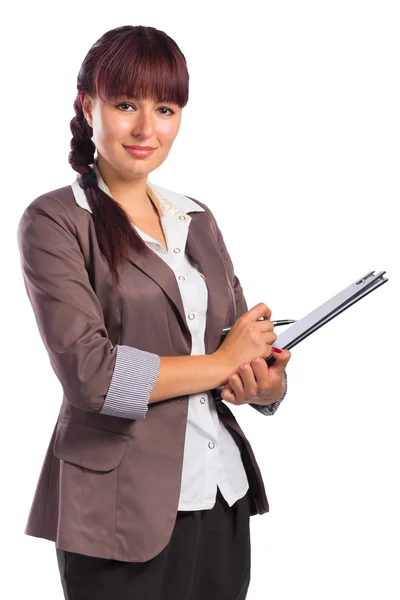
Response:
column 112, row 129
column 167, row 132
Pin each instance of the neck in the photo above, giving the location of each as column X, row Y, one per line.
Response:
column 130, row 193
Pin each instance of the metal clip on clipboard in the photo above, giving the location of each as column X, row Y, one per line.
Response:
column 322, row 315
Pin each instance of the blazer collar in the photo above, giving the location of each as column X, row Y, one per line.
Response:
column 166, row 200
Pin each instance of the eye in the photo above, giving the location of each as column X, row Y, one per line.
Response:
column 166, row 107
column 161, row 107
column 123, row 104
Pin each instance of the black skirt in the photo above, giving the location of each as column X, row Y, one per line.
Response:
column 207, row 557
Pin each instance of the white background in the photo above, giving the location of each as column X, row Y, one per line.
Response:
column 291, row 136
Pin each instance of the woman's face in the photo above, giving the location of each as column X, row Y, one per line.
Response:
column 130, row 122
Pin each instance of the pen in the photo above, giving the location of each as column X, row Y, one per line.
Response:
column 277, row 323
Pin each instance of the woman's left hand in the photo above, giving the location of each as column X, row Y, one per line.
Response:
column 257, row 383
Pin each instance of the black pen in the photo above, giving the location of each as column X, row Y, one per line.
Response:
column 277, row 323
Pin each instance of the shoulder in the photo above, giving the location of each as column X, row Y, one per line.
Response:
column 58, row 204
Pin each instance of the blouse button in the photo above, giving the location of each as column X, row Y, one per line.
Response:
column 211, row 445
column 191, row 315
column 182, row 218
column 181, row 278
column 202, row 399
column 177, row 249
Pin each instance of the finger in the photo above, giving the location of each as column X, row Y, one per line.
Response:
column 258, row 311
column 261, row 372
column 228, row 395
column 227, row 389
column 281, row 359
column 250, row 384
column 281, row 354
column 236, row 384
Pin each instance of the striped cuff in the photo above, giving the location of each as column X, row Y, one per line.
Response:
column 270, row 409
column 134, row 377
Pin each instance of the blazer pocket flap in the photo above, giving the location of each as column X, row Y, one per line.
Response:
column 88, row 446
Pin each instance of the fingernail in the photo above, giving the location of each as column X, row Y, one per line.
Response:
column 276, row 350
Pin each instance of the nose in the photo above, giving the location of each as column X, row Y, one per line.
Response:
column 143, row 125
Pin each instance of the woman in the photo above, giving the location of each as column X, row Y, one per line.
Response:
column 148, row 484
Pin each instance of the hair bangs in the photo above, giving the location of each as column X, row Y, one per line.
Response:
column 139, row 69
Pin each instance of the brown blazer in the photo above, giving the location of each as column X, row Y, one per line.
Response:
column 94, row 495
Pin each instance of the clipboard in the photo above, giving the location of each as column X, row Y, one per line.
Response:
column 321, row 315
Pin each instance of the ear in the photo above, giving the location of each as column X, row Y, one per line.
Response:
column 87, row 107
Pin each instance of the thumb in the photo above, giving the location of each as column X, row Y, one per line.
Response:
column 282, row 357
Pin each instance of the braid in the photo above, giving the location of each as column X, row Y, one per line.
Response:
column 108, row 216
column 82, row 147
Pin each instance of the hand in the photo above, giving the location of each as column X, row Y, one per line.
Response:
column 257, row 383
column 251, row 335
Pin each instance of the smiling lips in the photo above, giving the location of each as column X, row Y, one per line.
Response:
column 139, row 151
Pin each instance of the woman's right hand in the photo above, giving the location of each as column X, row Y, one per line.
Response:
column 248, row 338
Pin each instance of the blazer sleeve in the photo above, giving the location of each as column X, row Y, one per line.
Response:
column 95, row 374
column 241, row 308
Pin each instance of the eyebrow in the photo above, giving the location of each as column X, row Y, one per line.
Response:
column 157, row 100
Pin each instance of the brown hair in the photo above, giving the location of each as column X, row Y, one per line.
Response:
column 129, row 61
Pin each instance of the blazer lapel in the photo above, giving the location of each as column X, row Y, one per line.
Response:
column 203, row 249
column 204, row 253
column 161, row 273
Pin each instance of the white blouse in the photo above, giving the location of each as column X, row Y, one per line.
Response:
column 211, row 456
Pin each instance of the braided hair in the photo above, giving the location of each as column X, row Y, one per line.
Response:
column 133, row 61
